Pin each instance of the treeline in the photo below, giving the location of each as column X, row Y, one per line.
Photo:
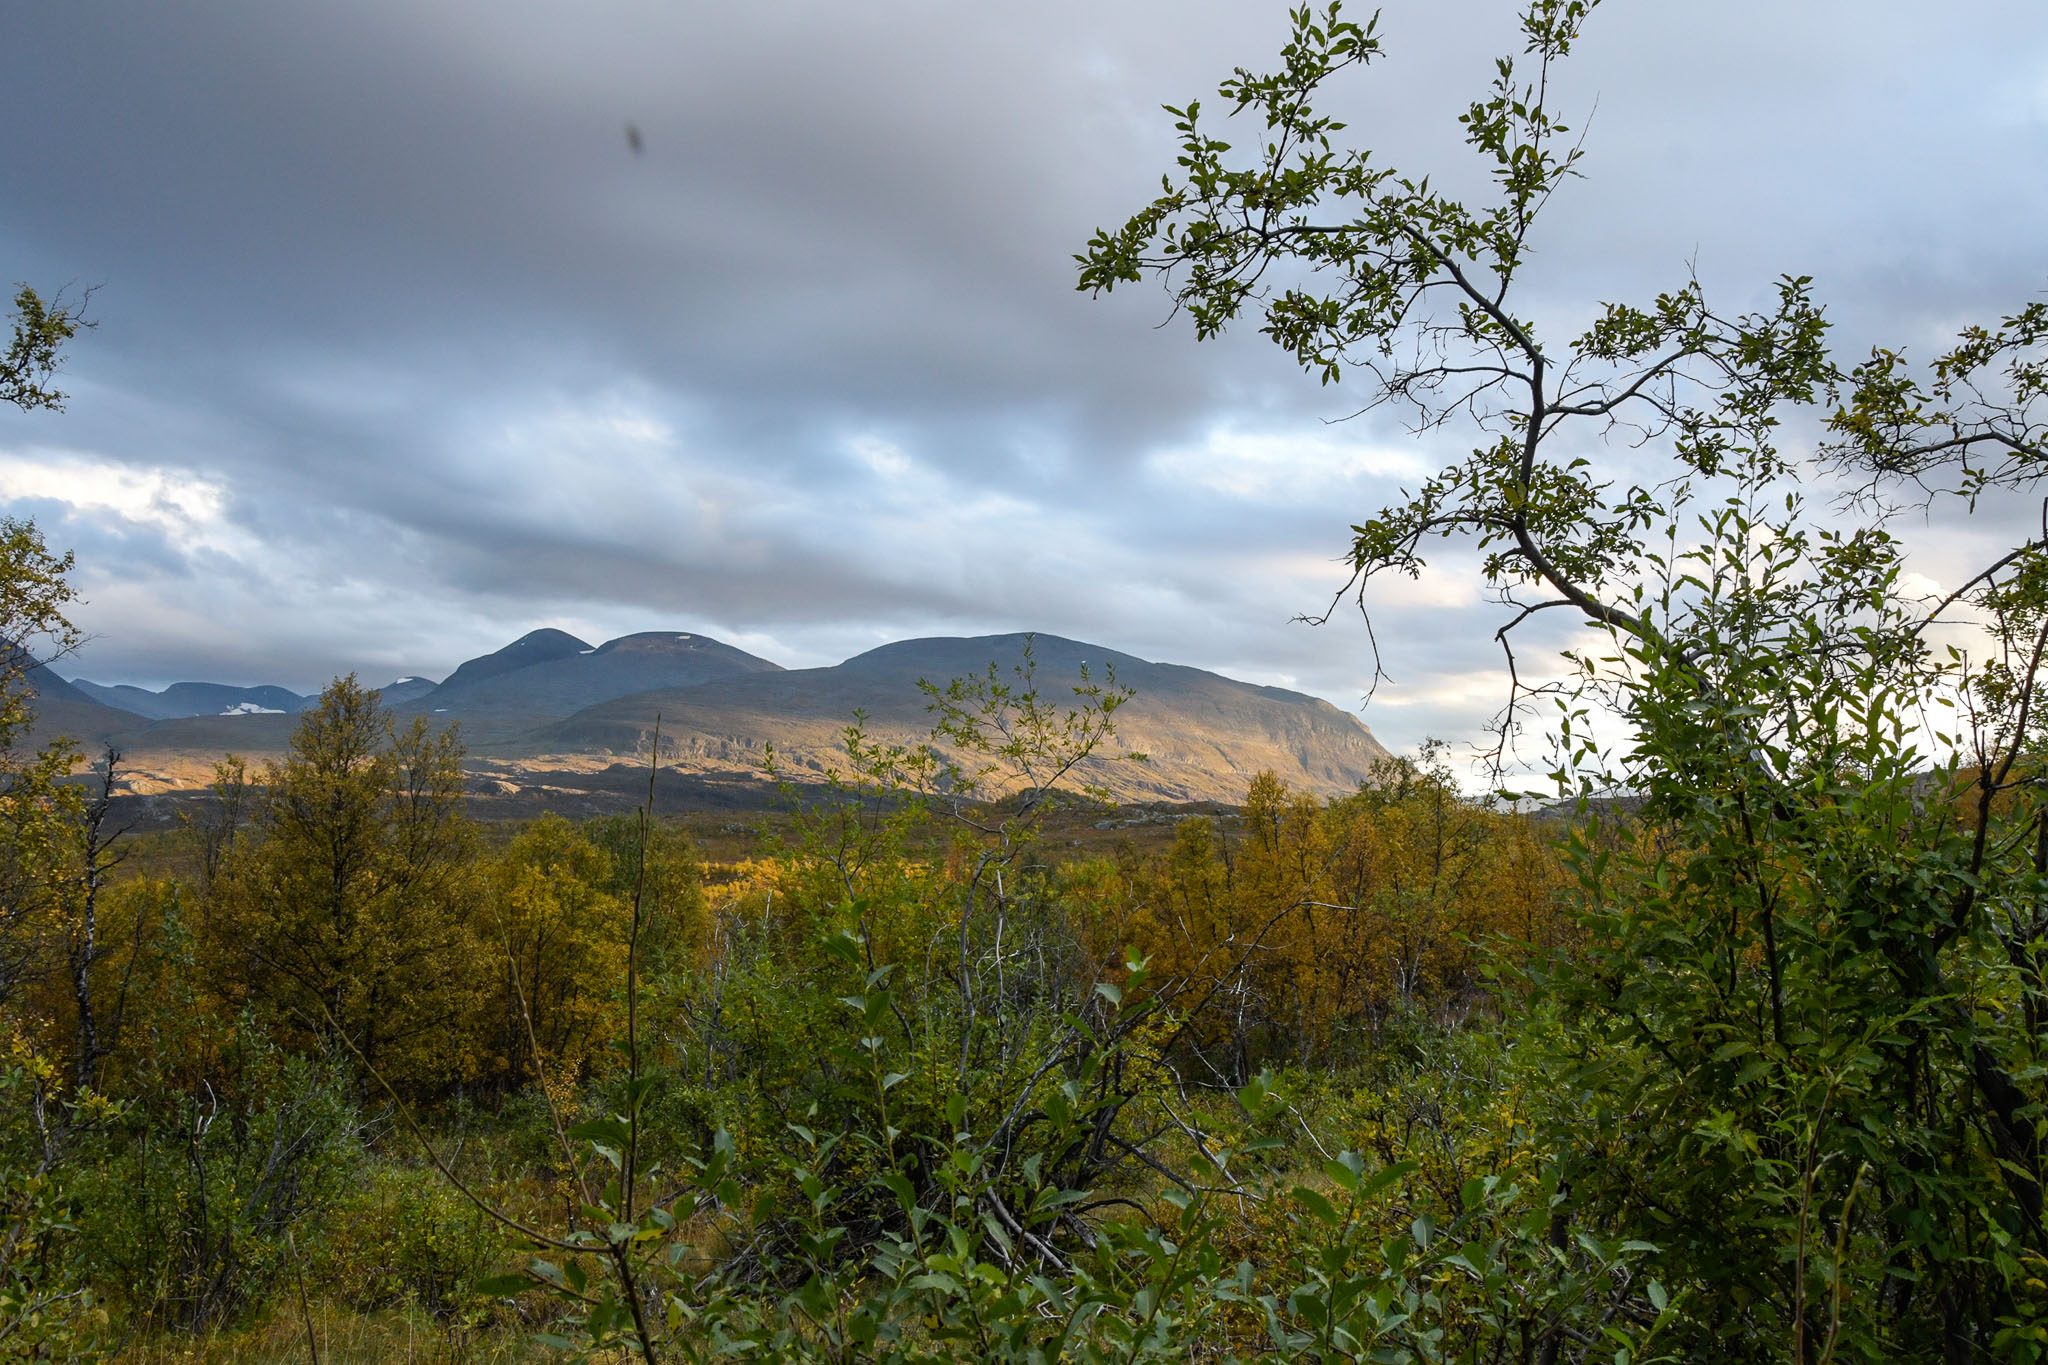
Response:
column 342, row 899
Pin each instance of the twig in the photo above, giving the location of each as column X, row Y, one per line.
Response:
column 305, row 1309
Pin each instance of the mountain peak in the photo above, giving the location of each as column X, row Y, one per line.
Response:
column 534, row 647
column 549, row 675
column 677, row 644
column 409, row 688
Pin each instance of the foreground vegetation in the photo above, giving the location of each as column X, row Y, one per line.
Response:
column 1732, row 1051
column 1396, row 1076
column 347, row 1048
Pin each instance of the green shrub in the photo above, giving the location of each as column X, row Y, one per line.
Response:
column 47, row 1309
column 185, row 1206
column 401, row 1237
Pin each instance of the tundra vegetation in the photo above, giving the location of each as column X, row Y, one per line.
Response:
column 1731, row 1051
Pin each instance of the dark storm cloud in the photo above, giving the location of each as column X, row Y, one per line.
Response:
column 420, row 352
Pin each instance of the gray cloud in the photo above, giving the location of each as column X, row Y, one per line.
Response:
column 421, row 355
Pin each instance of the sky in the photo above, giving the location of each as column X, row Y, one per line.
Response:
column 402, row 350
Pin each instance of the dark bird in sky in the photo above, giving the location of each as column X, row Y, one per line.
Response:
column 633, row 138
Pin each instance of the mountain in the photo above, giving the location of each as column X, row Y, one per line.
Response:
column 195, row 699
column 64, row 710
column 1205, row 735
column 549, row 676
column 158, row 754
column 534, row 647
column 52, row 690
column 405, row 690
column 549, row 702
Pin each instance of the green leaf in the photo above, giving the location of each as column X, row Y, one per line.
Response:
column 610, row 1131
column 504, row 1286
column 1317, row 1204
column 1384, row 1177
column 898, row 1185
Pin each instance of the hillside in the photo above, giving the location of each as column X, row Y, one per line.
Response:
column 406, row 690
column 549, row 705
column 194, row 699
column 549, row 676
column 1205, row 735
column 65, row 711
column 534, row 647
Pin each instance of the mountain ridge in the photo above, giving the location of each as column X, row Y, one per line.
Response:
column 1205, row 735
column 193, row 699
column 551, row 701
column 534, row 647
column 501, row 702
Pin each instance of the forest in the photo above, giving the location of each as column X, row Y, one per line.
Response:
column 1714, row 1034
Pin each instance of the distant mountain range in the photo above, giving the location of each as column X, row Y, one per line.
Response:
column 195, row 699
column 549, row 701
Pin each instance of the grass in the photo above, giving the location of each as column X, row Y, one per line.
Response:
column 345, row 1338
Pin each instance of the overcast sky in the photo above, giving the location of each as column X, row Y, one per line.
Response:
column 402, row 351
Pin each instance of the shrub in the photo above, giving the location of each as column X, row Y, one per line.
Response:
column 185, row 1205
column 402, row 1238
